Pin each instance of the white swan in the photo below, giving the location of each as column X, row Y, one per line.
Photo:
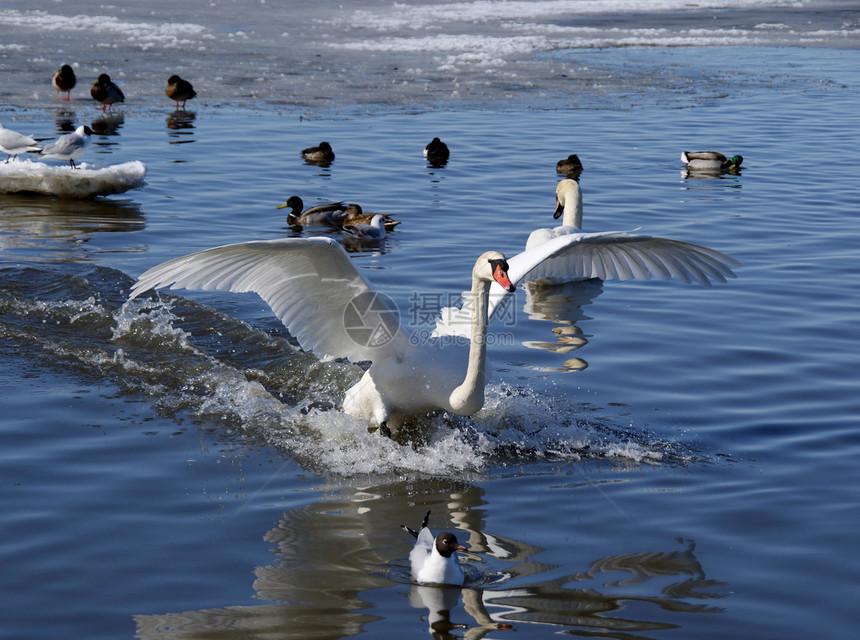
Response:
column 332, row 310
column 566, row 254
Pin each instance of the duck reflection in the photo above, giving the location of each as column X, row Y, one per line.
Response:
column 180, row 126
column 561, row 305
column 332, row 556
column 48, row 224
column 108, row 124
column 65, row 120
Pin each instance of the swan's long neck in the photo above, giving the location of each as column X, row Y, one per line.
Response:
column 572, row 214
column 468, row 398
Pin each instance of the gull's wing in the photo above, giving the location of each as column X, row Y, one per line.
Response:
column 310, row 284
column 610, row 255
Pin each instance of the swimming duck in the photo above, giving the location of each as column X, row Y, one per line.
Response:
column 12, row 143
column 327, row 214
column 434, row 560
column 356, row 216
column 179, row 90
column 64, row 80
column 436, row 152
column 710, row 161
column 106, row 92
column 322, row 154
column 570, row 166
column 69, row 146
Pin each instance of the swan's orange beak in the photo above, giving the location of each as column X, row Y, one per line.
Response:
column 501, row 276
column 558, row 210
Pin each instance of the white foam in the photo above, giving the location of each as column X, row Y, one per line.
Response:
column 144, row 34
column 419, row 17
column 87, row 181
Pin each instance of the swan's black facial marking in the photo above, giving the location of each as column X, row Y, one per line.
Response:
column 500, row 273
column 446, row 544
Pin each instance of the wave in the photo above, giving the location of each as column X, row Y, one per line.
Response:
column 252, row 382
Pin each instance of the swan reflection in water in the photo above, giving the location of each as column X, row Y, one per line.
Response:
column 561, row 305
column 341, row 569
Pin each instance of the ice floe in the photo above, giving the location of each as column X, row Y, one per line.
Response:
column 87, row 181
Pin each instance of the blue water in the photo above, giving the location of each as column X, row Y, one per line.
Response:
column 178, row 469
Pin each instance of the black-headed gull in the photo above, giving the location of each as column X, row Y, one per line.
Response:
column 12, row 143
column 434, row 560
column 70, row 146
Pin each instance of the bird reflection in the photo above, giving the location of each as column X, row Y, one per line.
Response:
column 330, row 556
column 180, row 125
column 65, row 226
column 561, row 305
column 108, row 124
column 65, row 120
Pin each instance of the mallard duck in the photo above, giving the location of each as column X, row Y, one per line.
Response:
column 436, row 151
column 70, row 146
column 321, row 154
column 327, row 214
column 179, row 90
column 570, row 166
column 64, row 80
column 106, row 92
column 355, row 216
column 710, row 161
column 12, row 143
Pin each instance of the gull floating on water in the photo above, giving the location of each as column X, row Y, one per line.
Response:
column 374, row 230
column 64, row 80
column 12, row 143
column 69, row 146
column 434, row 560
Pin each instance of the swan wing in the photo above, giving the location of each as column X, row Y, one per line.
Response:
column 310, row 284
column 610, row 255
column 618, row 255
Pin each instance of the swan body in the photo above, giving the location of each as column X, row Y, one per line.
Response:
column 321, row 154
column 567, row 254
column 433, row 560
column 69, row 146
column 436, row 152
column 710, row 161
column 179, row 90
column 106, row 92
column 570, row 166
column 327, row 214
column 64, row 80
column 12, row 143
column 320, row 296
column 374, row 230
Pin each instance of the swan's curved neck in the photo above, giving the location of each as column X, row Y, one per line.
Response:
column 572, row 214
column 468, row 398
